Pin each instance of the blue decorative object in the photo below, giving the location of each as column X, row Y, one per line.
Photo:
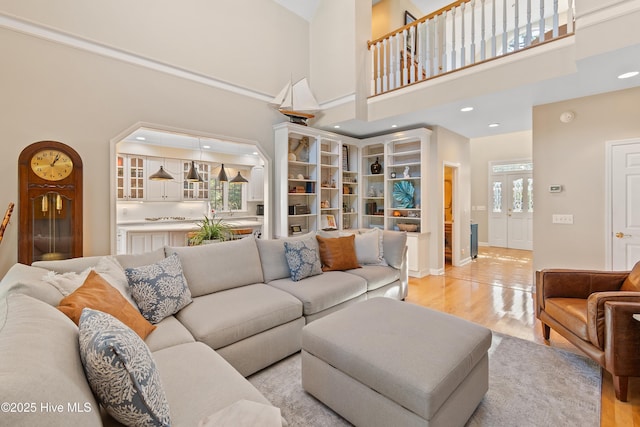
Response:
column 121, row 371
column 403, row 194
column 303, row 258
column 159, row 289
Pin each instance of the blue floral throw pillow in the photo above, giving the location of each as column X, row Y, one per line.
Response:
column 303, row 258
column 159, row 289
column 121, row 371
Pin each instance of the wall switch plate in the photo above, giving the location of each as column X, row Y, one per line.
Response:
column 562, row 219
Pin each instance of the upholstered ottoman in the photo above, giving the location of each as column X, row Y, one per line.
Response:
column 384, row 362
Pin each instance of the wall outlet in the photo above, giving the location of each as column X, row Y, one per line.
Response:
column 562, row 219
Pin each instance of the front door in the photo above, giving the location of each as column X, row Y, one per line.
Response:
column 625, row 203
column 511, row 206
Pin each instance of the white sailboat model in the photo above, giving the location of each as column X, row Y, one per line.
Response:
column 296, row 102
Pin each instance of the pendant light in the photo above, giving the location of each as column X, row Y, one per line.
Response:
column 239, row 178
column 193, row 175
column 222, row 176
column 161, row 175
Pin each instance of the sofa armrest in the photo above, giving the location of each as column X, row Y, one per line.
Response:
column 597, row 328
column 404, row 274
column 622, row 342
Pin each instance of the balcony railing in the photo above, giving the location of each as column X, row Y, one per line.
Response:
column 463, row 34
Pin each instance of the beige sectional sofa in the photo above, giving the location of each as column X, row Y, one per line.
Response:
column 246, row 314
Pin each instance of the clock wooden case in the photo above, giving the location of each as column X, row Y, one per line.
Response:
column 50, row 204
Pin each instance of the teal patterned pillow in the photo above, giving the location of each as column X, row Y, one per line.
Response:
column 159, row 289
column 303, row 258
column 121, row 371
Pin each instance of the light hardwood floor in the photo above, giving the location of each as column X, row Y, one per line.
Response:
column 496, row 290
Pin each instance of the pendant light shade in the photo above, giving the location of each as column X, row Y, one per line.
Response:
column 239, row 178
column 222, row 176
column 193, row 175
column 161, row 175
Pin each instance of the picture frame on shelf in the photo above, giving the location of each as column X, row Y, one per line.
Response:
column 296, row 229
column 345, row 158
column 329, row 222
column 411, row 42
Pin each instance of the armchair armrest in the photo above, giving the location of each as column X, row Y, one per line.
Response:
column 564, row 283
column 622, row 342
column 597, row 327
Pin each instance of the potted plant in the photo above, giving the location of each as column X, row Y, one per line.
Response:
column 211, row 230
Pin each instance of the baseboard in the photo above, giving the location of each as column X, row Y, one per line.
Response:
column 437, row 271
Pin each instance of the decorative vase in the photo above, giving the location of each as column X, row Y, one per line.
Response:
column 376, row 167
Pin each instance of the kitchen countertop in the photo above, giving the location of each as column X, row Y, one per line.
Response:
column 184, row 225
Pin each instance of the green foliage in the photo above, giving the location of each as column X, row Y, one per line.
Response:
column 211, row 229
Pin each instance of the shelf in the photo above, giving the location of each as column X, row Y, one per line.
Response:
column 328, row 188
column 404, row 153
column 350, row 172
column 302, row 194
column 404, row 179
column 302, row 216
column 328, row 153
column 301, row 180
column 326, row 165
column 377, row 175
column 402, row 165
column 373, row 198
column 298, row 163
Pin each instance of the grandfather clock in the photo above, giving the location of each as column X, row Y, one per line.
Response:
column 50, row 204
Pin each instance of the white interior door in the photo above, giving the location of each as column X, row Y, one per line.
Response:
column 511, row 210
column 625, row 203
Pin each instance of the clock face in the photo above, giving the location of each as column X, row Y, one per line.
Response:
column 52, row 165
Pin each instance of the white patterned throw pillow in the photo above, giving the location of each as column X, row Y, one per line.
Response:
column 121, row 371
column 303, row 258
column 159, row 289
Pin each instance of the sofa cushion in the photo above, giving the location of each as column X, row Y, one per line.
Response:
column 199, row 382
column 303, row 258
column 27, row 280
column 338, row 253
column 273, row 260
column 219, row 266
column 318, row 293
column 229, row 316
column 40, row 362
column 169, row 332
column 377, row 276
column 632, row 282
column 571, row 313
column 136, row 260
column 369, row 248
column 69, row 265
column 121, row 371
column 159, row 289
column 394, row 243
column 97, row 294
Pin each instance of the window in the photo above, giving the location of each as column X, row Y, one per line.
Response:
column 228, row 196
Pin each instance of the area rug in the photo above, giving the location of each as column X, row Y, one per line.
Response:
column 529, row 385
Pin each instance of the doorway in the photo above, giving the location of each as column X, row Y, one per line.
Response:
column 511, row 204
column 623, row 233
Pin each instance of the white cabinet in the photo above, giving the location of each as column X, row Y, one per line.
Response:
column 138, row 242
column 196, row 190
column 164, row 191
column 256, row 184
column 130, row 177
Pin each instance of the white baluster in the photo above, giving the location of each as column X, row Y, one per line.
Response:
column 453, row 38
column 372, row 54
column 385, row 72
column 570, row 17
column 436, row 45
column 527, row 37
column 504, row 27
column 472, row 59
column 412, row 54
column 516, row 27
column 462, row 37
column 493, row 30
column 420, row 47
column 379, row 70
column 397, row 38
column 483, row 39
column 555, row 18
column 443, row 60
column 405, row 73
column 541, row 35
column 392, row 62
column 428, row 46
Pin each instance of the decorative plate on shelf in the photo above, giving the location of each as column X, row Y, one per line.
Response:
column 403, row 194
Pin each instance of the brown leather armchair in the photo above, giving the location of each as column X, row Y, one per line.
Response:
column 593, row 310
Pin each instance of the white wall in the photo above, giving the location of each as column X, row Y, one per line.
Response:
column 509, row 146
column 573, row 155
column 56, row 92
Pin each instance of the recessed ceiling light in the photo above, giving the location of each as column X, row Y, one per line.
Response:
column 141, row 138
column 394, row 126
column 629, row 74
column 465, row 109
column 255, row 153
column 206, row 146
column 336, row 127
column 494, row 125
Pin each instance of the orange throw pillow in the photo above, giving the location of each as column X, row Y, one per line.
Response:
column 338, row 253
column 96, row 293
column 632, row 282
